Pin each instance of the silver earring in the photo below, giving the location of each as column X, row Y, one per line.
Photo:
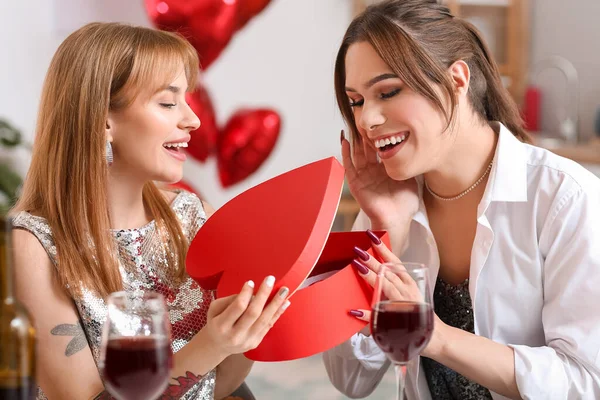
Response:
column 109, row 153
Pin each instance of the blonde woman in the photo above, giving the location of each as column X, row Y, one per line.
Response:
column 113, row 120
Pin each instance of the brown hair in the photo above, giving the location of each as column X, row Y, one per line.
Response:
column 420, row 40
column 100, row 67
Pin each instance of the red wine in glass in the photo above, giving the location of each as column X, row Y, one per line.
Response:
column 402, row 329
column 136, row 357
column 402, row 316
column 137, row 367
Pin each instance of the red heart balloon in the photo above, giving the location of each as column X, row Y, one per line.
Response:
column 248, row 9
column 204, row 139
column 245, row 143
column 207, row 24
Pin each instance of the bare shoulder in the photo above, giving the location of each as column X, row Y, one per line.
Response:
column 208, row 209
column 34, row 271
column 29, row 249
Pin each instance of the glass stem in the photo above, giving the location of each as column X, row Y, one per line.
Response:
column 400, row 379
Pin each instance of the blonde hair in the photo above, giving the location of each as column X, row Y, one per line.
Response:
column 100, row 67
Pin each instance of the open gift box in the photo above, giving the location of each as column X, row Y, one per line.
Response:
column 282, row 228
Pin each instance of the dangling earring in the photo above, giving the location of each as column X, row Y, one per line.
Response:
column 109, row 153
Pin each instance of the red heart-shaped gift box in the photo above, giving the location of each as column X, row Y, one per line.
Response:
column 281, row 227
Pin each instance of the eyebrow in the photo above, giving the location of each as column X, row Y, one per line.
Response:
column 373, row 81
column 173, row 89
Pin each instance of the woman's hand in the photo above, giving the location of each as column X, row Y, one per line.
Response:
column 396, row 287
column 385, row 201
column 238, row 323
column 400, row 287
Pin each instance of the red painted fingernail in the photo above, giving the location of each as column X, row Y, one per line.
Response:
column 356, row 313
column 362, row 268
column 362, row 254
column 373, row 237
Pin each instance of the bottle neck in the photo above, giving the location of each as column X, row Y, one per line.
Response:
column 6, row 277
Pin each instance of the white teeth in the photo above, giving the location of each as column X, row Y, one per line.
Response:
column 182, row 144
column 391, row 140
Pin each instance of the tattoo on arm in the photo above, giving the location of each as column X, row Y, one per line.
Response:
column 173, row 391
column 79, row 341
column 183, row 385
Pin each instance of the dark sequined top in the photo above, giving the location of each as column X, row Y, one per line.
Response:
column 453, row 306
column 144, row 267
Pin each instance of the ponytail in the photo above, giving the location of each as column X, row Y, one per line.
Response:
column 495, row 102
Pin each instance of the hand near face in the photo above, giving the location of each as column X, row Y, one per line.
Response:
column 384, row 200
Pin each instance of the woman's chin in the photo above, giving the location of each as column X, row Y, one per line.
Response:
column 169, row 179
column 398, row 173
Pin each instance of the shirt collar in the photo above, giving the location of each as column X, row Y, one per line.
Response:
column 508, row 177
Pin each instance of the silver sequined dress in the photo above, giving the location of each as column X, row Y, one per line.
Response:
column 144, row 268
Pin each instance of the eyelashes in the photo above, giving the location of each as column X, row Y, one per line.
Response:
column 356, row 103
column 390, row 94
column 383, row 96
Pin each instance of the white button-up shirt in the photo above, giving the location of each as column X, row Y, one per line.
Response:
column 534, row 278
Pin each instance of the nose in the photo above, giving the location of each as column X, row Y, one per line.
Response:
column 371, row 117
column 190, row 121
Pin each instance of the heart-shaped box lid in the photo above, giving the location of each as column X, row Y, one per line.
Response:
column 278, row 228
column 281, row 227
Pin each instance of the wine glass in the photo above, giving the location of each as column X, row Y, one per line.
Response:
column 402, row 314
column 136, row 356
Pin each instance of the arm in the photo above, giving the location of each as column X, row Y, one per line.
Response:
column 462, row 352
column 356, row 366
column 455, row 348
column 66, row 368
column 568, row 366
column 231, row 374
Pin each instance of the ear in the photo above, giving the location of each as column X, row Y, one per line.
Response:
column 109, row 129
column 460, row 75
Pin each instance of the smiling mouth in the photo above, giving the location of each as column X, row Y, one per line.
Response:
column 175, row 147
column 391, row 142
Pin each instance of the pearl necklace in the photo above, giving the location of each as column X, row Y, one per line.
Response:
column 487, row 170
